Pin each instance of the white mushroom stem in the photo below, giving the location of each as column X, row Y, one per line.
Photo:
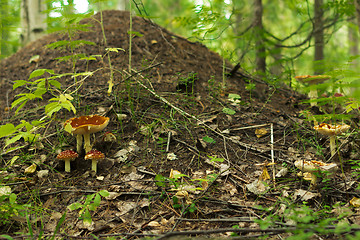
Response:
column 87, row 145
column 78, row 142
column 313, row 94
column 67, row 165
column 94, row 165
column 313, row 180
column 332, row 145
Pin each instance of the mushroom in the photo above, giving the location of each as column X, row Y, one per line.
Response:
column 67, row 156
column 94, row 155
column 332, row 131
column 312, row 81
column 310, row 167
column 84, row 126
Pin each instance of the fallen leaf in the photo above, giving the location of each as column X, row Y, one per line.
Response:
column 265, row 175
column 355, row 202
column 30, row 169
column 260, row 132
column 5, row 190
column 174, row 173
column 257, row 187
column 154, row 224
column 171, row 156
column 305, row 195
column 43, row 174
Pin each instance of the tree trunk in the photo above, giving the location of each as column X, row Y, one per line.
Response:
column 33, row 20
column 318, row 37
column 122, row 5
column 260, row 54
column 357, row 12
column 353, row 39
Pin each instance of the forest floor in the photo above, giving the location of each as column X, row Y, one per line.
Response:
column 170, row 114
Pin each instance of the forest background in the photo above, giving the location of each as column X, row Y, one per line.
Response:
column 276, row 39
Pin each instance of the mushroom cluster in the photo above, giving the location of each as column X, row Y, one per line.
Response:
column 84, row 126
column 312, row 80
column 308, row 168
column 332, row 131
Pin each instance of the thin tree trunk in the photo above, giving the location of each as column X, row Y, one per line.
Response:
column 122, row 5
column 260, row 59
column 33, row 20
column 357, row 12
column 353, row 39
column 318, row 37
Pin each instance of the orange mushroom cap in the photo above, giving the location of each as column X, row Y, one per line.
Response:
column 67, row 155
column 94, row 155
column 331, row 130
column 87, row 124
column 313, row 79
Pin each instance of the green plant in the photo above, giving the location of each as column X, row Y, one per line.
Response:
column 9, row 206
column 37, row 88
column 91, row 203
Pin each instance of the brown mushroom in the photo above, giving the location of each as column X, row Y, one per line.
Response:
column 84, row 126
column 312, row 81
column 310, row 167
column 94, row 155
column 67, row 156
column 332, row 131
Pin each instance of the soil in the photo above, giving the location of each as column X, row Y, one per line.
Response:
column 169, row 113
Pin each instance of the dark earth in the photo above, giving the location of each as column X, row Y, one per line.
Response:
column 170, row 112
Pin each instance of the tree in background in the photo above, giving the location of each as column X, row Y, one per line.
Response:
column 260, row 51
column 33, row 20
column 318, row 37
column 9, row 12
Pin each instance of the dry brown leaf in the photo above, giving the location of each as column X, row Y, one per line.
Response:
column 260, row 132
column 305, row 195
column 355, row 202
column 265, row 175
column 30, row 169
column 154, row 224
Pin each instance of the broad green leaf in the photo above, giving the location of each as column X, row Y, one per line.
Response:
column 12, row 140
column 104, row 193
column 135, row 33
column 62, row 98
column 55, row 83
column 19, row 83
column 208, row 139
column 12, row 198
column 40, row 72
column 68, row 128
column 68, row 105
column 39, row 92
column 13, row 160
column 20, row 107
column 75, row 205
column 87, row 217
column 234, row 96
column 18, row 101
column 37, row 122
column 97, row 200
column 52, row 108
column 159, row 180
column 114, row 49
column 68, row 96
column 7, row 129
column 228, row 111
